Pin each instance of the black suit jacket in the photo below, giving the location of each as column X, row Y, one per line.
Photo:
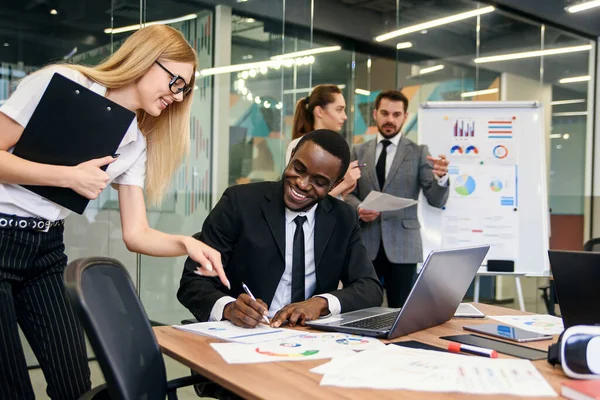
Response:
column 247, row 227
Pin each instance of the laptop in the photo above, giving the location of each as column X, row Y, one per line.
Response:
column 440, row 287
column 576, row 277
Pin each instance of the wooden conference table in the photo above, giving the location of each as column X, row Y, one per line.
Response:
column 292, row 380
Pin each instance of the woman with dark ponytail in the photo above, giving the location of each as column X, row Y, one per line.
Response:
column 324, row 108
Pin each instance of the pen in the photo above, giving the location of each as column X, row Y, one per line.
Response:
column 480, row 351
column 361, row 165
column 249, row 293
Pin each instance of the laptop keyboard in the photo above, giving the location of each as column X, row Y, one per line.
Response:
column 377, row 322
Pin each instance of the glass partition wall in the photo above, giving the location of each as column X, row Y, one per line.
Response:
column 259, row 57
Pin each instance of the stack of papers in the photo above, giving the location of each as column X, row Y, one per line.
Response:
column 377, row 201
column 540, row 323
column 395, row 367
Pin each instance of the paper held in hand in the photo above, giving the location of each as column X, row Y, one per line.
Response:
column 377, row 201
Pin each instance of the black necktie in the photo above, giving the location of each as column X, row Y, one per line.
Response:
column 380, row 167
column 298, row 261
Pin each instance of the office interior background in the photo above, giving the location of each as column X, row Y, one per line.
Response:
column 258, row 57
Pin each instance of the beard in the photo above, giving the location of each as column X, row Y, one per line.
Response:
column 381, row 129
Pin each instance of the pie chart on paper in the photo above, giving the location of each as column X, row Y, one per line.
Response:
column 465, row 185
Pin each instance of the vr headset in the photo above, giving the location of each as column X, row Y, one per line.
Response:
column 578, row 352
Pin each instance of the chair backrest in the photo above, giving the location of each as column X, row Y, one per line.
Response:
column 117, row 327
column 592, row 245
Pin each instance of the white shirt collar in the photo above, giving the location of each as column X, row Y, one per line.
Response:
column 132, row 132
column 309, row 214
column 395, row 140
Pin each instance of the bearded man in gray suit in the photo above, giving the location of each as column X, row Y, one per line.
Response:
column 400, row 167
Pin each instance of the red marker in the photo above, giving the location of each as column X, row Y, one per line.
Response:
column 479, row 351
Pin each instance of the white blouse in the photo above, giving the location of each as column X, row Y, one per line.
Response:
column 128, row 169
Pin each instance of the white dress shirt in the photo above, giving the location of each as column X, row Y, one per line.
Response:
column 283, row 293
column 128, row 169
column 391, row 153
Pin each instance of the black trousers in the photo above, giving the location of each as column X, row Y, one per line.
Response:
column 32, row 295
column 397, row 279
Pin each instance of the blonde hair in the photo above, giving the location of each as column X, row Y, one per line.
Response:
column 168, row 135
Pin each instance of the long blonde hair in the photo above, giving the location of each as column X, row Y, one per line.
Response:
column 168, row 135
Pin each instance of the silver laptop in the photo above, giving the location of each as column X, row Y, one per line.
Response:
column 435, row 296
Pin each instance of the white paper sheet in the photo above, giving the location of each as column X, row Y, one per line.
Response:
column 395, row 367
column 227, row 331
column 377, row 201
column 539, row 323
column 306, row 346
column 290, row 350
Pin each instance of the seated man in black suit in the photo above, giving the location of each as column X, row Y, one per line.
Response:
column 293, row 273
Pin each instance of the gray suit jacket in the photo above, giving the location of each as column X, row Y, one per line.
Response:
column 410, row 172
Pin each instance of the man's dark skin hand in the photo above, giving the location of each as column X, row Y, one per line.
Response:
column 299, row 313
column 246, row 312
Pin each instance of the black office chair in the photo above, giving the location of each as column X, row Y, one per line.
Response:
column 118, row 329
column 592, row 245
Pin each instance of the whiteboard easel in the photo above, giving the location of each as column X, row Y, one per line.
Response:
column 498, row 182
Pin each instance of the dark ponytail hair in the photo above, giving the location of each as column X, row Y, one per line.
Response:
column 304, row 119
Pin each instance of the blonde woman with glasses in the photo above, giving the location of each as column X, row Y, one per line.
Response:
column 151, row 74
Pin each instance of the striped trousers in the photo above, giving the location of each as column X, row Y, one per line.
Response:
column 32, row 295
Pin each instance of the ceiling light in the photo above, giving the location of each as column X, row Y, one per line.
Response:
column 575, row 79
column 570, row 114
column 309, row 52
column 479, row 92
column 267, row 104
column 555, row 136
column 562, row 102
column 242, row 1
column 247, row 57
column 279, row 105
column 250, row 20
column 306, row 90
column 583, row 6
column 431, row 69
column 362, row 91
column 6, row 44
column 404, row 45
column 53, row 11
column 436, row 22
column 138, row 26
column 369, row 63
column 536, row 53
column 257, row 100
column 566, row 136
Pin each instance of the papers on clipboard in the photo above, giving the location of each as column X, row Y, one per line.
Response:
column 377, row 201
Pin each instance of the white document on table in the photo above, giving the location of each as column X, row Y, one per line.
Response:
column 377, row 201
column 306, row 346
column 395, row 367
column 227, row 331
column 538, row 323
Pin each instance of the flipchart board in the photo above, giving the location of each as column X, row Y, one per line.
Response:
column 498, row 190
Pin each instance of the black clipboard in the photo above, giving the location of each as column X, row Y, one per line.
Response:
column 70, row 125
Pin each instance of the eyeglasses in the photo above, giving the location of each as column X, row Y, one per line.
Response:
column 177, row 84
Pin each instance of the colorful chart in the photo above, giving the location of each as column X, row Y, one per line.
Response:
column 465, row 185
column 496, row 186
column 472, row 149
column 456, row 149
column 306, row 353
column 500, row 151
column 464, row 128
column 353, row 341
column 500, row 129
